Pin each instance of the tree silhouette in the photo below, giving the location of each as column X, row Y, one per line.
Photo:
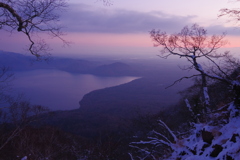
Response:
column 31, row 17
column 193, row 44
column 233, row 14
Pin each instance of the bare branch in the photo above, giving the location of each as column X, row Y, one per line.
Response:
column 14, row 14
column 33, row 16
column 179, row 80
column 231, row 13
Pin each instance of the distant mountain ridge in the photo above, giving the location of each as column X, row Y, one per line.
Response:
column 20, row 62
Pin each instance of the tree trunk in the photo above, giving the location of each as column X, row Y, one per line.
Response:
column 205, row 94
column 14, row 14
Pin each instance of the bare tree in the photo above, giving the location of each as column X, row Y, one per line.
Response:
column 31, row 17
column 159, row 144
column 106, row 2
column 234, row 14
column 19, row 114
column 5, row 78
column 15, row 113
column 194, row 44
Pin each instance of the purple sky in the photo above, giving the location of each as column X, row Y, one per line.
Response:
column 123, row 27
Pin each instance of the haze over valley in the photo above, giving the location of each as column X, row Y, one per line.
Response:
column 61, row 83
column 101, row 91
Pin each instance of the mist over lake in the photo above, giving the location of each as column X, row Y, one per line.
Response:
column 61, row 90
column 62, row 83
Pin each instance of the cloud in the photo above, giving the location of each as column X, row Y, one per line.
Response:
column 84, row 18
column 218, row 29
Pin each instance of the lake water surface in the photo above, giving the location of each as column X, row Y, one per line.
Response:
column 61, row 90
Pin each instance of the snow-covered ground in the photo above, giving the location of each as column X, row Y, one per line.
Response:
column 207, row 141
column 218, row 139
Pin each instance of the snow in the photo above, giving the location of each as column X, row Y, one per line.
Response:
column 206, row 96
column 224, row 140
column 233, row 110
column 192, row 56
column 188, row 105
column 168, row 129
column 197, row 158
column 24, row 158
column 199, row 67
column 236, row 82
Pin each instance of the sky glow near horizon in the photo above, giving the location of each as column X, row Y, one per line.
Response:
column 123, row 28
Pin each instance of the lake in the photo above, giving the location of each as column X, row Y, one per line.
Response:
column 60, row 90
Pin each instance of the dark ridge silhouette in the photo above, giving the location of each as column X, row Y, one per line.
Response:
column 20, row 62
